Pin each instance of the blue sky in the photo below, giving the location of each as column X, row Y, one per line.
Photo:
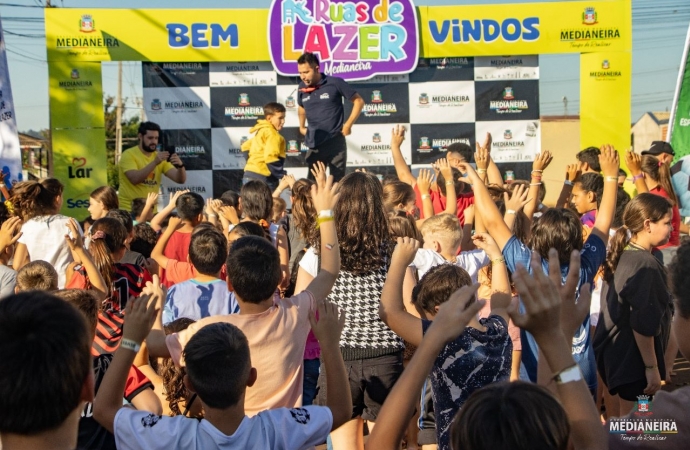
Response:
column 659, row 30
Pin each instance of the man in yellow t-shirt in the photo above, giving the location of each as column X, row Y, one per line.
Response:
column 141, row 167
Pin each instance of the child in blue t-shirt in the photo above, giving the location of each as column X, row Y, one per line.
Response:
column 480, row 355
column 205, row 294
column 561, row 229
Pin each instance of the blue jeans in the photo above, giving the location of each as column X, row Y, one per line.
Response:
column 311, row 376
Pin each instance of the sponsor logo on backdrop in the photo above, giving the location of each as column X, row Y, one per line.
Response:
column 176, row 106
column 442, row 100
column 508, row 142
column 641, row 426
column 587, row 32
column 202, row 35
column 506, row 62
column 354, row 40
column 507, row 134
column 377, row 108
column 426, row 145
column 376, row 145
column 508, row 103
column 176, row 68
column 83, row 44
column 606, row 72
column 75, row 84
column 243, row 111
column 243, row 139
column 450, row 63
column 156, row 104
column 532, row 130
column 290, row 101
column 86, row 24
column 78, row 169
column 190, row 151
column 484, row 30
column 242, row 68
column 197, row 189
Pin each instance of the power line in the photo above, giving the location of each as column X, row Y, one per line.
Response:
column 24, row 56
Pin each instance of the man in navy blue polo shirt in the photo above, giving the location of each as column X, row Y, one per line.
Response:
column 320, row 101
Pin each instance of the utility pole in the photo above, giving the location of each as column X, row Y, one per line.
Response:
column 565, row 106
column 118, row 115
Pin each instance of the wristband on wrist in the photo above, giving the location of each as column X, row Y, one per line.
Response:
column 326, row 213
column 568, row 375
column 130, row 345
column 425, row 196
column 568, row 182
column 498, row 261
column 651, row 367
column 320, row 220
column 537, row 170
column 450, row 183
column 511, row 211
column 481, row 171
column 535, row 184
column 613, row 179
column 637, row 177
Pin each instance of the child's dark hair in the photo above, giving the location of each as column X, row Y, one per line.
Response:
column 108, row 236
column 396, row 193
column 437, row 285
column 173, row 377
column 273, row 108
column 460, row 185
column 218, row 364
column 106, row 195
column 362, row 224
column 659, row 172
column 189, row 205
column 144, row 239
column 253, row 267
column 84, row 301
column 558, row 228
column 257, row 201
column 303, row 211
column 592, row 182
column 4, row 213
column 462, row 149
column 230, row 198
column 87, row 220
column 208, row 250
column 590, row 155
column 516, row 415
column 45, row 349
column 138, row 205
column 643, row 207
column 37, row 275
column 250, row 229
column 124, row 217
column 622, row 200
column 678, row 279
column 403, row 225
column 35, row 198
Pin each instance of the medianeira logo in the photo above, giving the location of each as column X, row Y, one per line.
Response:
column 377, row 108
column 508, row 104
column 642, row 426
column 87, row 24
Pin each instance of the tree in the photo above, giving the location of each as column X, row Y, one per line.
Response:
column 130, row 126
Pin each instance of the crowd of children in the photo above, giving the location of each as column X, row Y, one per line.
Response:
column 447, row 310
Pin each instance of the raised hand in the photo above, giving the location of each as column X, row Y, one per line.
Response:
column 485, row 242
column 397, row 136
column 572, row 171
column 151, row 199
column 75, row 241
column 140, row 316
column 482, row 158
column 608, row 160
column 405, row 250
column 174, row 197
column 230, row 213
column 9, row 232
column 542, row 161
column 634, row 162
column 424, row 180
column 454, row 315
column 517, row 199
column 323, row 191
column 174, row 223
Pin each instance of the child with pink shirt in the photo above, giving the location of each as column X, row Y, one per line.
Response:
column 254, row 274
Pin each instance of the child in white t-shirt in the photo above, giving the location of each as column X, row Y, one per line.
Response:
column 219, row 370
column 442, row 235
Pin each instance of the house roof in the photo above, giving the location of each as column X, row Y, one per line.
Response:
column 26, row 141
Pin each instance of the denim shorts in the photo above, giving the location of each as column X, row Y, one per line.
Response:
column 371, row 380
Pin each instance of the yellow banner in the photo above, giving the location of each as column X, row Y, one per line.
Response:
column 76, row 94
column 160, row 35
column 79, row 162
column 526, row 28
column 605, row 86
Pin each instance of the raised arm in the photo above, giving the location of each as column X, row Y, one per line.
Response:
column 157, row 253
column 493, row 173
column 401, row 167
column 324, row 195
column 158, row 219
column 572, row 172
column 539, row 165
column 151, row 200
column 514, row 202
column 608, row 159
column 392, row 309
column 500, row 284
column 424, row 180
column 552, row 316
column 327, row 330
column 451, row 196
column 491, row 217
column 634, row 163
column 452, row 318
column 76, row 245
column 140, row 315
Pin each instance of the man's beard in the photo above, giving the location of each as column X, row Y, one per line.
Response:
column 148, row 149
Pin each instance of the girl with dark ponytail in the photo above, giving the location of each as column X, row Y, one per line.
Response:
column 634, row 324
column 38, row 204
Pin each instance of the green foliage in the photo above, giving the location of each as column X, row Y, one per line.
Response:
column 129, row 136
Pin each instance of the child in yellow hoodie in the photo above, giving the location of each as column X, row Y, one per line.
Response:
column 266, row 148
